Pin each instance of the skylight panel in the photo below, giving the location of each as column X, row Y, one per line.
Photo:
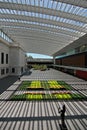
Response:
column 39, row 15
column 44, row 16
column 85, row 26
column 1, row 10
column 80, row 12
column 61, row 20
column 63, row 6
column 41, row 3
column 32, row 2
column 52, row 5
column 5, row 36
column 4, row 0
column 15, row 11
column 36, row 2
column 57, row 19
column 49, row 4
column 53, row 17
column 83, row 12
column 40, row 29
column 64, row 20
column 75, row 10
column 6, row 11
column 71, row 9
column 36, row 23
column 36, row 15
column 46, row 3
column 59, row 5
column 33, row 14
column 67, row 7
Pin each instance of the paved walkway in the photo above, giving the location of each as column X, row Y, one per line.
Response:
column 43, row 115
column 7, row 82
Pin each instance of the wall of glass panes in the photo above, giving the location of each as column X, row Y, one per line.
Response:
column 80, row 49
column 4, row 36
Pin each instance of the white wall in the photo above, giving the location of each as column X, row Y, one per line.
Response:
column 4, row 49
column 22, row 60
column 16, row 60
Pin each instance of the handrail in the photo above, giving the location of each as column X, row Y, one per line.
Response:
column 72, row 67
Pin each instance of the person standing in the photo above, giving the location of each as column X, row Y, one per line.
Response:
column 19, row 78
column 62, row 113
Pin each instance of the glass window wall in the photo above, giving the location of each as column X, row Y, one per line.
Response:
column 5, row 37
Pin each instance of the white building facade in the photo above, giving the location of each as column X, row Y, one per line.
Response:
column 12, row 59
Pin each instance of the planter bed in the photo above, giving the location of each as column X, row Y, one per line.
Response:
column 52, row 96
column 61, row 91
column 44, row 85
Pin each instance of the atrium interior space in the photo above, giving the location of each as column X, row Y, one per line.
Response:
column 43, row 64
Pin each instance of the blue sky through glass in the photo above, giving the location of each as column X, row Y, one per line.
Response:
column 34, row 55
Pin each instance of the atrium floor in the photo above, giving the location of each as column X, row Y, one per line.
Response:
column 43, row 115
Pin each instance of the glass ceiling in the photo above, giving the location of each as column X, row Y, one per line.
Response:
column 51, row 4
column 45, row 15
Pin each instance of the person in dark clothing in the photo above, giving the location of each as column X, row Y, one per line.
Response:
column 19, row 78
column 62, row 113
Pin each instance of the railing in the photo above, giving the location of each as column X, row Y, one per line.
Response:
column 71, row 67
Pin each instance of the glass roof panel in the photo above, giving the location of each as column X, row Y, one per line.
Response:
column 33, row 14
column 42, row 24
column 52, row 5
column 55, row 5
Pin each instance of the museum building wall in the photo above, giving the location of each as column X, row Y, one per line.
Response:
column 12, row 60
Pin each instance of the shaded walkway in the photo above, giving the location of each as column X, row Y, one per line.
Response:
column 7, row 82
column 41, row 118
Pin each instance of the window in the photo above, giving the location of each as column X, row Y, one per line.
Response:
column 13, row 70
column 83, row 48
column 6, row 58
column 22, row 69
column 4, row 36
column 2, row 58
column 7, row 70
column 2, row 71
